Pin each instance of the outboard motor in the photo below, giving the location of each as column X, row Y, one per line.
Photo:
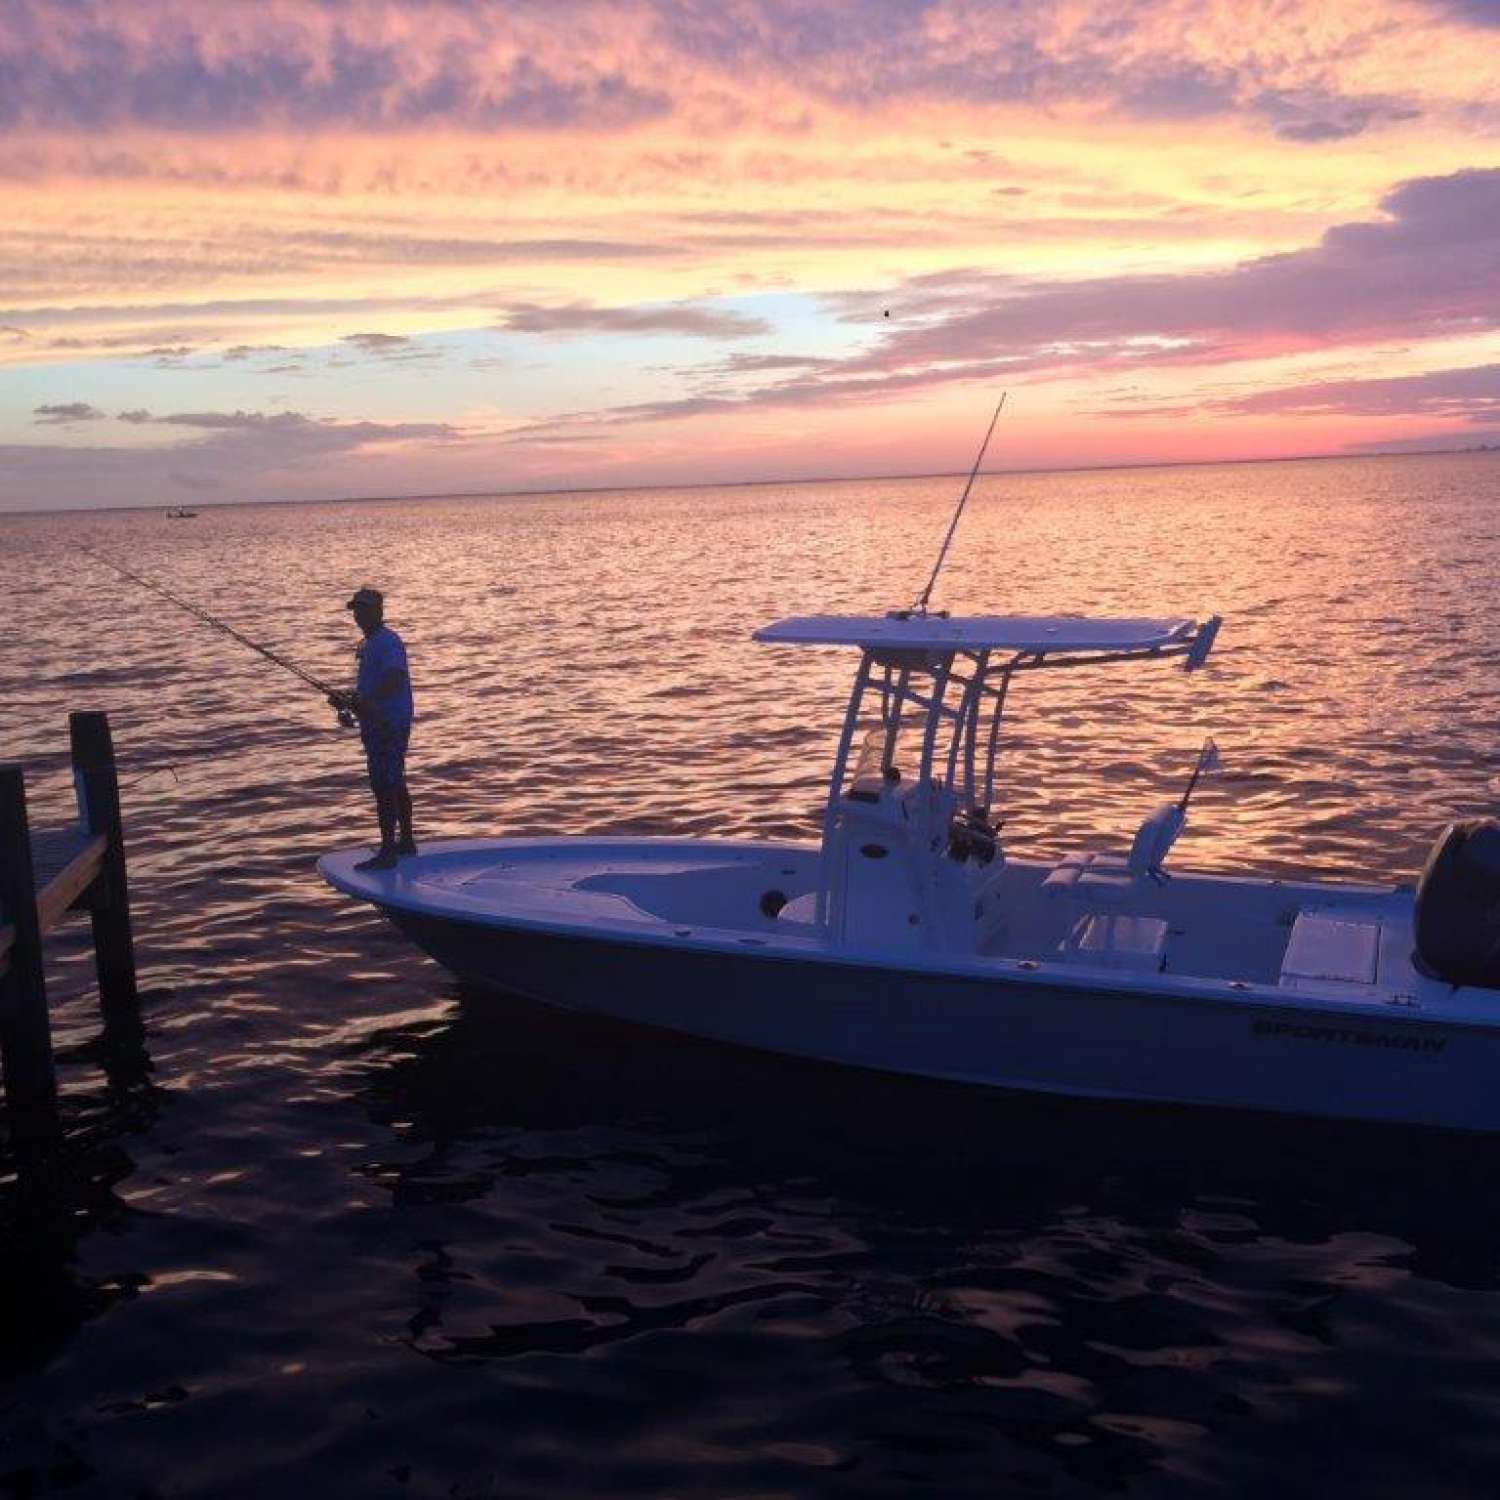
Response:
column 1458, row 906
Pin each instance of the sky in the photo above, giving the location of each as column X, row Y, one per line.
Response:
column 305, row 249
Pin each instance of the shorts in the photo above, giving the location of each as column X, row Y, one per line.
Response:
column 385, row 753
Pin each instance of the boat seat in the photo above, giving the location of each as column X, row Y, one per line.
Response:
column 1331, row 948
column 1114, row 941
column 1108, row 878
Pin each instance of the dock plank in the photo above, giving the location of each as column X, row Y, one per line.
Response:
column 52, row 850
column 65, row 862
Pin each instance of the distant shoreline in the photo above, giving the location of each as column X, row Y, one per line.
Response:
column 743, row 484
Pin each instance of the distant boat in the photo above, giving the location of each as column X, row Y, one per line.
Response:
column 179, row 513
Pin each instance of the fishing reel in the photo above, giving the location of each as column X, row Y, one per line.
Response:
column 971, row 835
column 342, row 706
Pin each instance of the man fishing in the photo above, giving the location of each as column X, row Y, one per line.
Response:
column 381, row 702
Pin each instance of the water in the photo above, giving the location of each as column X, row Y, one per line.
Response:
column 342, row 1227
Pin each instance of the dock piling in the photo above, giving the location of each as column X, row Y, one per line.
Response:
column 25, row 1029
column 108, row 898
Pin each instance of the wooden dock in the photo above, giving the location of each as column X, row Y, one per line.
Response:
column 44, row 875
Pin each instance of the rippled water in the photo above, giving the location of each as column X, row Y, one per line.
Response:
column 342, row 1227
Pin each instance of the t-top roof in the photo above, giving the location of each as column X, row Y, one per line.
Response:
column 977, row 632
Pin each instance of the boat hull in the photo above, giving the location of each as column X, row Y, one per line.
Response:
column 1011, row 1031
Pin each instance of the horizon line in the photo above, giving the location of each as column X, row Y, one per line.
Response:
column 731, row 484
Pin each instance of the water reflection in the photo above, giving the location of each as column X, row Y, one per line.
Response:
column 57, row 1192
column 959, row 1282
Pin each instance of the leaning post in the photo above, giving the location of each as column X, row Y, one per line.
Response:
column 25, row 1030
column 98, row 791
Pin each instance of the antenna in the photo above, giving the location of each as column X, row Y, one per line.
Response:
column 920, row 607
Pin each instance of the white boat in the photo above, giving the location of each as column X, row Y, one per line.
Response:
column 907, row 940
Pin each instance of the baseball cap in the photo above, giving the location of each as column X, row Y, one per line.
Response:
column 367, row 595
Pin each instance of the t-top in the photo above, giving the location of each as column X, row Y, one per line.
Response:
column 382, row 651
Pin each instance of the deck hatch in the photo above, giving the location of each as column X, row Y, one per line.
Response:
column 1326, row 946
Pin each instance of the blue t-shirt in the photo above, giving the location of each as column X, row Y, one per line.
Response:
column 381, row 653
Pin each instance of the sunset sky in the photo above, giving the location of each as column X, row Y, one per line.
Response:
column 288, row 249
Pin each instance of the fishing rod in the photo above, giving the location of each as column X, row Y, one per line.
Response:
column 213, row 621
column 920, row 607
column 1208, row 760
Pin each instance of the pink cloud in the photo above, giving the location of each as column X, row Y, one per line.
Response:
column 1468, row 395
column 1431, row 267
column 237, row 66
column 681, row 319
column 240, row 453
column 587, row 65
column 65, row 413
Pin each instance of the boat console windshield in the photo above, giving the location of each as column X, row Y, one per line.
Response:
column 909, row 840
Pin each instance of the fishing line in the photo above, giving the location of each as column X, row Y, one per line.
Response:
column 145, row 776
column 201, row 614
